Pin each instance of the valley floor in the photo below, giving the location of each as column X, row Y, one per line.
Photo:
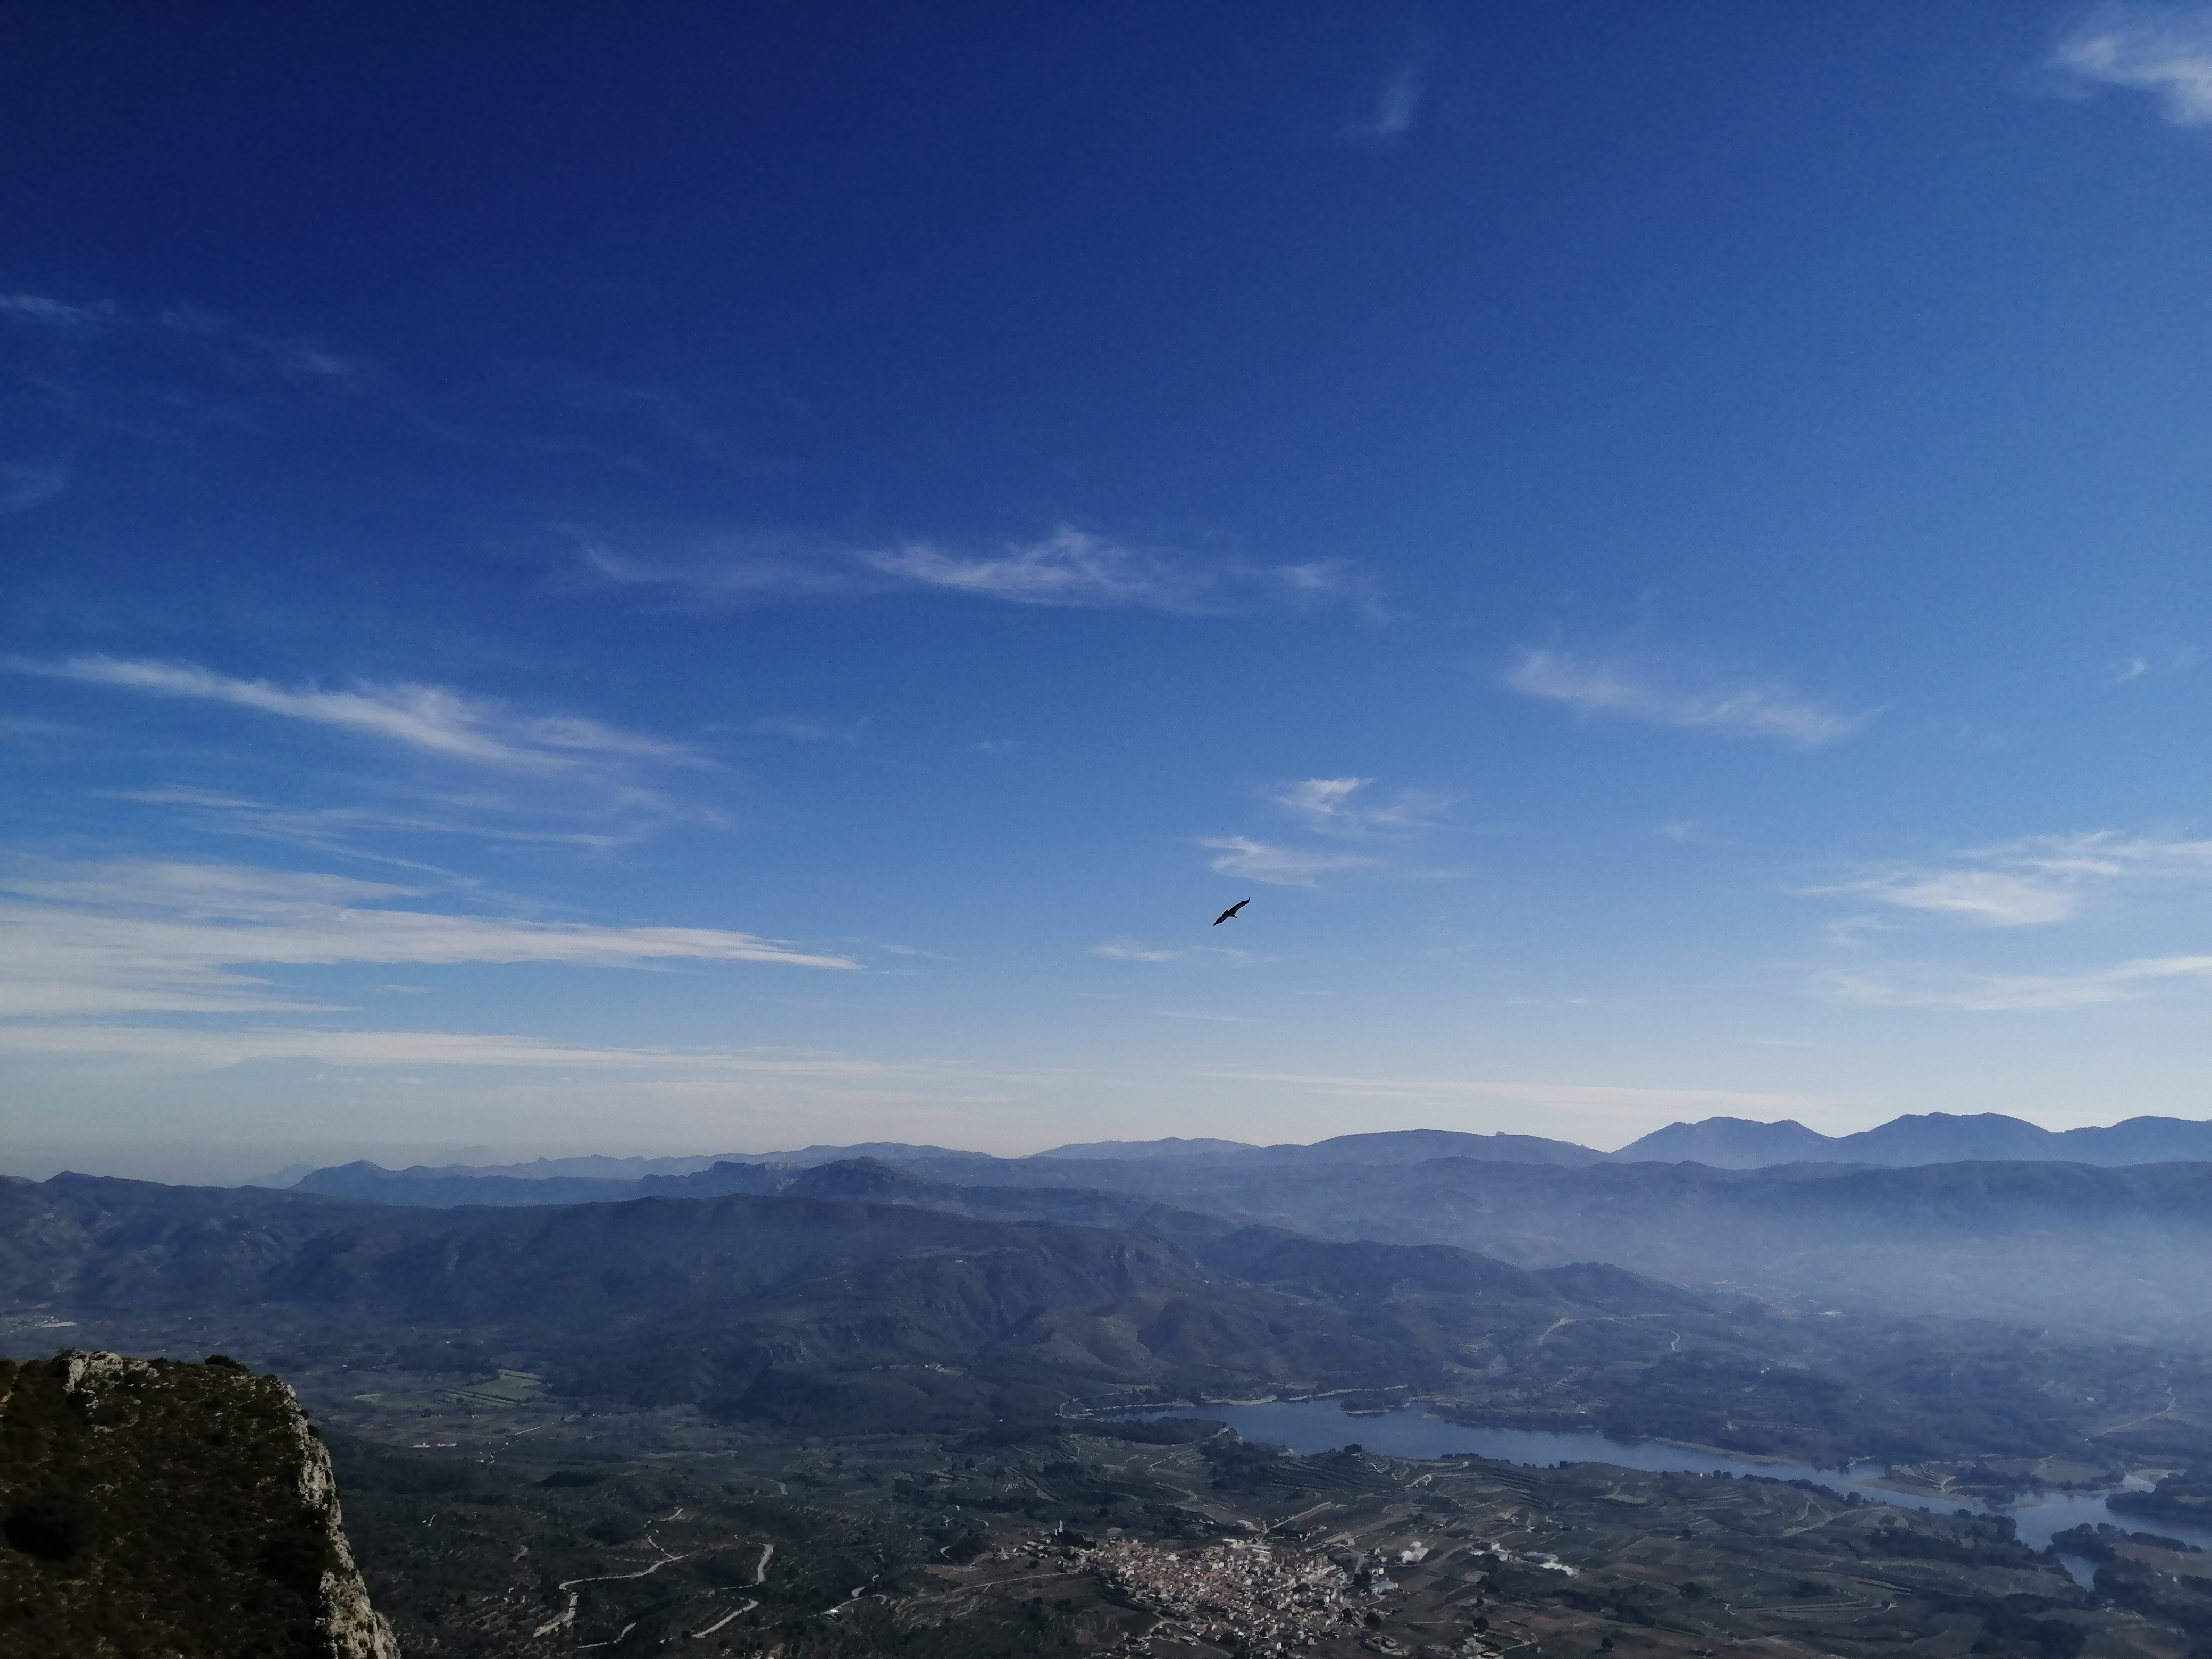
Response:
column 532, row 1530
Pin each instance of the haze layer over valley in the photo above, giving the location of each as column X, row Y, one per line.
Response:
column 916, row 1309
column 2102, row 1251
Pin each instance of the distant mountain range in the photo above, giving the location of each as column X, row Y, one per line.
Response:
column 961, row 1306
column 1735, row 1143
column 2116, row 1251
column 954, row 1308
column 628, row 1170
column 1719, row 1143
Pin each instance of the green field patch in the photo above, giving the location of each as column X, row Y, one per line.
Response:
column 508, row 1388
column 399, row 1402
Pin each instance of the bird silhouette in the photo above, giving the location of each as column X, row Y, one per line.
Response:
column 1230, row 915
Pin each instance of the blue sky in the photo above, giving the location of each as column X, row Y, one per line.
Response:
column 717, row 578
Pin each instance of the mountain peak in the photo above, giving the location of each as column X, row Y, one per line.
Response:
column 1728, row 1143
column 864, row 1178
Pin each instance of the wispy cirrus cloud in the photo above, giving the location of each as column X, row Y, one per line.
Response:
column 1939, row 988
column 488, row 769
column 95, row 373
column 1130, row 949
column 1735, row 709
column 2108, row 854
column 1278, row 867
column 1993, row 897
column 2163, row 51
column 1385, row 112
column 724, row 570
column 44, row 311
column 2143, row 665
column 145, row 936
column 348, row 829
column 2033, row 881
column 1068, row 568
column 213, row 340
column 1334, row 806
column 432, row 720
column 437, row 1049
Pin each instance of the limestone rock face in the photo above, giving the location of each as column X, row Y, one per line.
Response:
column 156, row 1508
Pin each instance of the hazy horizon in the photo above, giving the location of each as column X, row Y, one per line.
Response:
column 215, row 1164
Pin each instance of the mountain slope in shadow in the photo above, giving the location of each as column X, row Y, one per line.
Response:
column 828, row 1313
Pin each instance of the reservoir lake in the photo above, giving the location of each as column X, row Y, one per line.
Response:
column 1306, row 1426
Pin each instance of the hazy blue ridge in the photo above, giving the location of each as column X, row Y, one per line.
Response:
column 1720, row 1143
column 817, row 1311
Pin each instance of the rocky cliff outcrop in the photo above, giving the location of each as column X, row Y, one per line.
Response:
column 156, row 1508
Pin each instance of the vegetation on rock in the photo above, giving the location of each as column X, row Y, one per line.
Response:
column 157, row 1507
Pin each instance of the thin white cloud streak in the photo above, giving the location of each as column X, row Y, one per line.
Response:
column 2037, row 880
column 1067, row 568
column 2164, row 50
column 430, row 719
column 1278, row 866
column 731, row 576
column 1989, row 896
column 145, row 937
column 1129, row 949
column 40, row 309
column 2008, row 993
column 338, row 829
column 195, row 341
column 2107, row 853
column 1738, row 710
column 214, row 892
column 1558, row 1094
column 242, row 347
column 1328, row 805
column 216, row 1049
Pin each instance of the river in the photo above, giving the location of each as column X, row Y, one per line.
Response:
column 1318, row 1426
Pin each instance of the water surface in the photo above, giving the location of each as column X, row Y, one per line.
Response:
column 1317, row 1425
